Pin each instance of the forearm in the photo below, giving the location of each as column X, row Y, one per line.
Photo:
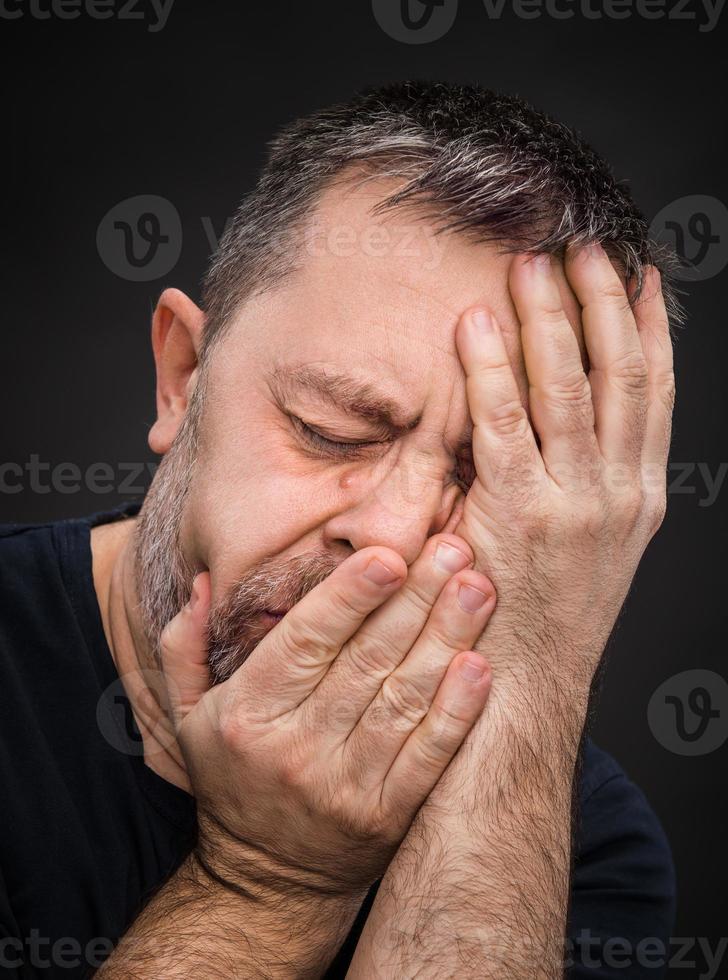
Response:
column 197, row 926
column 480, row 885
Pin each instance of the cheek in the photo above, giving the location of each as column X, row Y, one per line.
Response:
column 248, row 503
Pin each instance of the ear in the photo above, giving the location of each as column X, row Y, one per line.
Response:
column 176, row 338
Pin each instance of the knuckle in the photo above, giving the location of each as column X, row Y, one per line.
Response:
column 368, row 826
column 443, row 737
column 656, row 511
column 666, row 388
column 444, row 630
column 571, row 411
column 301, row 639
column 612, row 291
column 434, row 752
column 369, row 656
column 166, row 638
column 292, row 773
column 630, row 372
column 509, row 420
column 175, row 635
column 551, row 315
column 572, row 386
column 233, row 731
column 351, row 601
column 415, row 595
column 380, row 826
column 496, row 370
column 403, row 699
column 449, row 722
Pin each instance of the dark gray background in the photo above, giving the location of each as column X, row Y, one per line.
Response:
column 98, row 111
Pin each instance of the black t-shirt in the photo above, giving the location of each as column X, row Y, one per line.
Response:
column 89, row 832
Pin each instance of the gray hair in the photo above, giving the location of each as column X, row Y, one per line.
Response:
column 484, row 164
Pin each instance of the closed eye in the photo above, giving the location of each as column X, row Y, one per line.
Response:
column 463, row 473
column 332, row 447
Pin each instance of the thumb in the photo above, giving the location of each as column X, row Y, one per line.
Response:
column 184, row 651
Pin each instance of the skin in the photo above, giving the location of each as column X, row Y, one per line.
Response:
column 560, row 556
column 562, row 571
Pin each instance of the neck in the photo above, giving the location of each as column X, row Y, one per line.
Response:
column 112, row 549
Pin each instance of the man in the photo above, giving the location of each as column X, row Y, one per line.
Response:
column 414, row 445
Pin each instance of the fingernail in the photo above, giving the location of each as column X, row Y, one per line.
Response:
column 473, row 668
column 449, row 558
column 194, row 595
column 377, row 572
column 483, row 321
column 471, row 599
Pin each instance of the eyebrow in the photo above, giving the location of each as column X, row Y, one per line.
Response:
column 351, row 395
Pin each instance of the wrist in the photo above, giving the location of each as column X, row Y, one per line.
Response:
column 294, row 932
column 259, row 876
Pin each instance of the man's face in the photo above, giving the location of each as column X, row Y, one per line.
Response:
column 366, row 323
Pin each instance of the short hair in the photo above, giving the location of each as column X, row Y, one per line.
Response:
column 477, row 162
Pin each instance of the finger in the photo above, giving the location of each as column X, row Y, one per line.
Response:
column 387, row 635
column 571, row 307
column 458, row 618
column 503, row 440
column 291, row 660
column 458, row 704
column 184, row 651
column 618, row 372
column 559, row 396
column 654, row 333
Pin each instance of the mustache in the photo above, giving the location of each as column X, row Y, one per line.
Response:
column 232, row 630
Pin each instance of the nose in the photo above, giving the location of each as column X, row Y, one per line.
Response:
column 404, row 509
